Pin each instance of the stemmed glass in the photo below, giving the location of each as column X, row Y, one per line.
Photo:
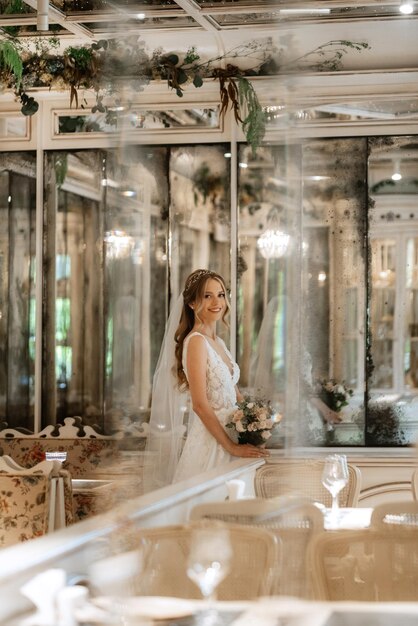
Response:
column 209, row 559
column 335, row 478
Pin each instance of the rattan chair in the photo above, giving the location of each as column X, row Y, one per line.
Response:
column 373, row 564
column 302, row 477
column 395, row 514
column 294, row 521
column 254, row 554
column 414, row 484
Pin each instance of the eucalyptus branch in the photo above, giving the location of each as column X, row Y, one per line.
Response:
column 241, row 51
column 337, row 48
column 102, row 66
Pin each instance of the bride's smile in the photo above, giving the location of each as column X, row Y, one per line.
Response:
column 213, row 303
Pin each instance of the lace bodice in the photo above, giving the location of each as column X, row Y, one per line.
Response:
column 220, row 382
column 201, row 451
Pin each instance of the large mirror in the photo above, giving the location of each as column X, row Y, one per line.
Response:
column 17, row 288
column 327, row 313
column 334, row 269
column 393, row 384
column 303, row 268
column 268, row 287
column 115, row 222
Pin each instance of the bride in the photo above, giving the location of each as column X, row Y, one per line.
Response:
column 205, row 371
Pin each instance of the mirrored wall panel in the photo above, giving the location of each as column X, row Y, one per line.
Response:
column 105, row 279
column 116, row 119
column 116, row 221
column 200, row 214
column 14, row 126
column 17, row 288
column 333, row 305
column 267, row 261
column 327, row 280
column 393, row 385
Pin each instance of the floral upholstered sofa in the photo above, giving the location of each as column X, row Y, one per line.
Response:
column 93, row 460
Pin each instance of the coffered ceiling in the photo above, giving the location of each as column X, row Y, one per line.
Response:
column 90, row 19
column 216, row 27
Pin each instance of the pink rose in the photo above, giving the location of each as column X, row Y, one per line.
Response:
column 238, row 415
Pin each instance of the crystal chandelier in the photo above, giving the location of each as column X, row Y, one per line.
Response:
column 118, row 244
column 273, row 242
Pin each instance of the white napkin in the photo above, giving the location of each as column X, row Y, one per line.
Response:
column 69, row 600
column 235, row 489
column 42, row 591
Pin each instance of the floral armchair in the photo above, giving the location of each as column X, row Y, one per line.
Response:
column 24, row 507
column 33, row 501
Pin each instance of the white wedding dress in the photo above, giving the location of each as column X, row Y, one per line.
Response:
column 201, row 451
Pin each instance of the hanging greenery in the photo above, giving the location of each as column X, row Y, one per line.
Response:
column 107, row 64
column 10, row 60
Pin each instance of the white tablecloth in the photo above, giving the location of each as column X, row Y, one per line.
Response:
column 348, row 518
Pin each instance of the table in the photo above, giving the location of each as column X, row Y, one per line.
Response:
column 280, row 611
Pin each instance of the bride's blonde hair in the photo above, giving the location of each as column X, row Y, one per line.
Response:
column 194, row 290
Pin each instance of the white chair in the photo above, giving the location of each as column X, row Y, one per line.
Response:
column 294, row 521
column 373, row 564
column 302, row 477
column 414, row 484
column 254, row 556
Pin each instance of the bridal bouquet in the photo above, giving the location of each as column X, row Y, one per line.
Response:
column 253, row 420
column 335, row 395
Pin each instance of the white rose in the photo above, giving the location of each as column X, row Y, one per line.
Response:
column 240, row 426
column 250, row 405
column 266, row 434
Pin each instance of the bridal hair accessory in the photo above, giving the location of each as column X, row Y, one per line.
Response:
column 193, row 278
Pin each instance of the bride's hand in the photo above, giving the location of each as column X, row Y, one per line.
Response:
column 247, row 450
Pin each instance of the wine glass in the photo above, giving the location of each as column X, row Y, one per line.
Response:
column 335, row 478
column 209, row 559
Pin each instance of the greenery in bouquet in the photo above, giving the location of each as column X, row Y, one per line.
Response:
column 253, row 421
column 334, row 394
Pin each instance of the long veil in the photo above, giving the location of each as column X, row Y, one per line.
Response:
column 168, row 406
column 262, row 363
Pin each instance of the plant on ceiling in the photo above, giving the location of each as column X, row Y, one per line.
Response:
column 107, row 65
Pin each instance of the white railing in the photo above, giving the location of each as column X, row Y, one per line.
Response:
column 68, row 548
